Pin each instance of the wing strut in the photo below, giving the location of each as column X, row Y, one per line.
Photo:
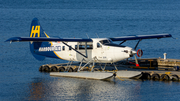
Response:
column 76, row 50
column 86, row 49
column 122, row 42
column 137, row 44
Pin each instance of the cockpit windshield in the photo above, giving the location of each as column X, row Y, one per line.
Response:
column 110, row 43
column 105, row 41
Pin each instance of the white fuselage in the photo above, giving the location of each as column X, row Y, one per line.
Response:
column 101, row 48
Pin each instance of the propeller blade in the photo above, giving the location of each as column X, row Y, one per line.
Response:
column 137, row 64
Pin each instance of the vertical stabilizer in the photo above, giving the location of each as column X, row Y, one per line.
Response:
column 37, row 31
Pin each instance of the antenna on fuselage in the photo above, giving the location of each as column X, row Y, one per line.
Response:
column 97, row 35
column 87, row 35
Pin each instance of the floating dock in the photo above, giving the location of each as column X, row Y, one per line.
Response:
column 156, row 68
column 153, row 64
column 161, row 75
column 151, row 69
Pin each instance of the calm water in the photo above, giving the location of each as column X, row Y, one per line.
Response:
column 19, row 75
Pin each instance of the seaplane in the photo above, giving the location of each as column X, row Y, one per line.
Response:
column 86, row 51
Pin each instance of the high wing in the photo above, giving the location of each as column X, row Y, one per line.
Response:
column 123, row 38
column 45, row 39
column 140, row 37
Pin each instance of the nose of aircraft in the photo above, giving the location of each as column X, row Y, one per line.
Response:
column 132, row 52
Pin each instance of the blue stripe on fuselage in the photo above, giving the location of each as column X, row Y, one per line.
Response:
column 46, row 49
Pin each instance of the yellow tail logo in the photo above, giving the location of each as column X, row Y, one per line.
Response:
column 35, row 31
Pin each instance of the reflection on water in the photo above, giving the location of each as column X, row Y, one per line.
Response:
column 37, row 91
column 62, row 88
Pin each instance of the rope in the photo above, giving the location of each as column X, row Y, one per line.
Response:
column 119, row 78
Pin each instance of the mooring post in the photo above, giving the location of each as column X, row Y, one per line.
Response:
column 165, row 56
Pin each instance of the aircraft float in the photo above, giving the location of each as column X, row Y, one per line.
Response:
column 89, row 51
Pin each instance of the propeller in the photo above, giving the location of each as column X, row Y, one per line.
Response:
column 137, row 64
column 133, row 52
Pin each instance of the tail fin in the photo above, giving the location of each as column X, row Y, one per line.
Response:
column 37, row 31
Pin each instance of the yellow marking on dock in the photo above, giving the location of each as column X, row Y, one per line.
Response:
column 167, row 73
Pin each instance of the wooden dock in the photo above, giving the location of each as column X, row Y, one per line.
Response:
column 154, row 63
column 152, row 68
column 156, row 68
column 168, row 62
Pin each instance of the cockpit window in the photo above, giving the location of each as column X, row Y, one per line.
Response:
column 109, row 43
column 98, row 45
column 105, row 41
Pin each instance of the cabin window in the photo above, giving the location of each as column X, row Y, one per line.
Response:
column 81, row 47
column 89, row 46
column 76, row 47
column 98, row 45
column 63, row 48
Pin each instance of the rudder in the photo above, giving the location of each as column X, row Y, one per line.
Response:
column 36, row 31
